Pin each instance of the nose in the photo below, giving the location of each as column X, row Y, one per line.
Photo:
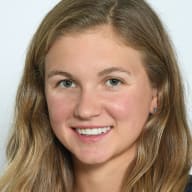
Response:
column 88, row 105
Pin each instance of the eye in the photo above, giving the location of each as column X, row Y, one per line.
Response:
column 113, row 82
column 67, row 83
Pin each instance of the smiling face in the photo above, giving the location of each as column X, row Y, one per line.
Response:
column 98, row 95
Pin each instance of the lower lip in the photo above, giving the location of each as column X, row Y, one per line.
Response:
column 91, row 138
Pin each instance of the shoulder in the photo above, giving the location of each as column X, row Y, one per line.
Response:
column 189, row 185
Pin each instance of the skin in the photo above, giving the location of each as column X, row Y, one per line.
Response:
column 93, row 80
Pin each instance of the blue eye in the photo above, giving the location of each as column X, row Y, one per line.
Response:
column 113, row 82
column 66, row 83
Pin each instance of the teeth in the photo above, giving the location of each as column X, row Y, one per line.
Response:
column 95, row 131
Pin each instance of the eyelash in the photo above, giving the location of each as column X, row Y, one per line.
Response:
column 114, row 80
column 107, row 81
column 59, row 84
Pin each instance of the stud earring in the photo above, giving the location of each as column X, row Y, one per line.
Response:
column 155, row 110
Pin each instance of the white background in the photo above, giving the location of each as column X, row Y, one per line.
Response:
column 19, row 20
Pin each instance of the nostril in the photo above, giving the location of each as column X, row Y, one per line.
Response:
column 87, row 109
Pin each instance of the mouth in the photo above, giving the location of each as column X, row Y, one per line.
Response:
column 93, row 131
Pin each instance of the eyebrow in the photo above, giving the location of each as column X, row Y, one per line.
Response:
column 101, row 73
column 113, row 69
column 62, row 73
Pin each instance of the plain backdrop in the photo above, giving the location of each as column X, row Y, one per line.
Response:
column 19, row 20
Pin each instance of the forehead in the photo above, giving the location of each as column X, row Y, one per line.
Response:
column 95, row 47
column 103, row 32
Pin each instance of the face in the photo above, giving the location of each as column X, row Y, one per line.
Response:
column 98, row 95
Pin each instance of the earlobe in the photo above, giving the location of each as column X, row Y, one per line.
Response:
column 153, row 107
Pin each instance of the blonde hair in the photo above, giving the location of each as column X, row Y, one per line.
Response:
column 38, row 162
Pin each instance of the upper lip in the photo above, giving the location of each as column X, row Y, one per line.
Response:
column 90, row 126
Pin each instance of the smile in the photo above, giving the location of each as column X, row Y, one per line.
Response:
column 92, row 131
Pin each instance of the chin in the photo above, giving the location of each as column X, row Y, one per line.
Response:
column 93, row 159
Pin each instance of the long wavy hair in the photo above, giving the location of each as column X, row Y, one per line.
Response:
column 38, row 162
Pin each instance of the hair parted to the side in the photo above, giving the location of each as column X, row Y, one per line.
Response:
column 37, row 160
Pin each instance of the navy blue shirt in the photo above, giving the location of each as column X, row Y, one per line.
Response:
column 189, row 186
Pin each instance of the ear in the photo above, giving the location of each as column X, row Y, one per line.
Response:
column 154, row 100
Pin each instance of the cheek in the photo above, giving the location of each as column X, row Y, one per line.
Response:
column 133, row 105
column 121, row 107
column 59, row 109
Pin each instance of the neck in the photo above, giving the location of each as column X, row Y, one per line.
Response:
column 103, row 177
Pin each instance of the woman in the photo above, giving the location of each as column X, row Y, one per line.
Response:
column 100, row 106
